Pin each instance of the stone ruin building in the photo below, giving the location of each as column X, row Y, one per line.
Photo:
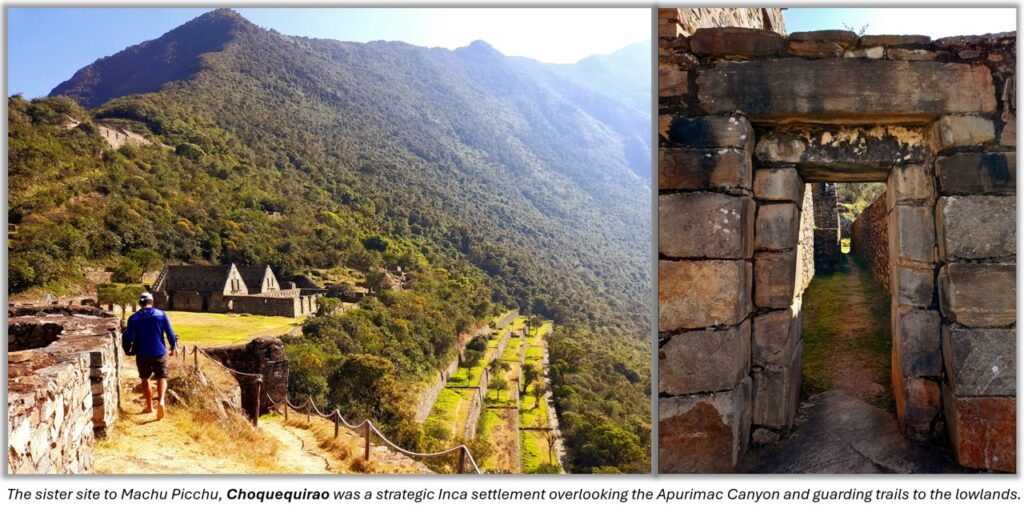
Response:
column 751, row 122
column 62, row 386
column 230, row 289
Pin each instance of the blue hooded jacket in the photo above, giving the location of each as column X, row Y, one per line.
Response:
column 147, row 328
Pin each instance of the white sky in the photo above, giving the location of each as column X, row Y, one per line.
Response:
column 931, row 21
column 549, row 35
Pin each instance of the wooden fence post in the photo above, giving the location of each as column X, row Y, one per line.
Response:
column 337, row 420
column 309, row 409
column 195, row 356
column 256, row 408
column 366, row 453
column 462, row 459
column 286, row 405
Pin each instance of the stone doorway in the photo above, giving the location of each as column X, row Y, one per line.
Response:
column 756, row 120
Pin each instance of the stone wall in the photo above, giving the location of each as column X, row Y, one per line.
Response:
column 62, row 385
column 674, row 22
column 264, row 356
column 932, row 118
column 869, row 239
column 805, row 249
column 826, row 228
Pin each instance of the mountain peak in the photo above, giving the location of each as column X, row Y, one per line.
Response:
column 479, row 48
column 147, row 66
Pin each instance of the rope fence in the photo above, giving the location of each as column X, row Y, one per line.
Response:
column 366, row 428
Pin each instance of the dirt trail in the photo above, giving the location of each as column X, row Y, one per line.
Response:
column 847, row 334
column 181, row 443
column 300, row 449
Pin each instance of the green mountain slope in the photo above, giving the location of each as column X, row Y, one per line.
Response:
column 493, row 179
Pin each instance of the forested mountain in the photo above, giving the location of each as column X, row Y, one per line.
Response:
column 496, row 181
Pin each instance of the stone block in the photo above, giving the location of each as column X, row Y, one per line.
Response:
column 961, row 131
column 919, row 336
column 695, row 294
column 814, row 49
column 731, row 131
column 874, row 53
column 672, row 81
column 1008, row 133
column 779, row 184
column 704, row 360
column 735, row 41
column 670, row 30
column 776, row 336
column 979, row 295
column 912, row 234
column 777, row 227
column 774, row 279
column 845, row 90
column 703, row 169
column 976, row 227
column 910, row 54
column 846, row 154
column 845, row 38
column 982, row 431
column 776, row 391
column 705, row 433
column 980, row 362
column 894, row 40
column 977, row 173
column 922, row 403
column 910, row 183
column 915, row 286
column 705, row 225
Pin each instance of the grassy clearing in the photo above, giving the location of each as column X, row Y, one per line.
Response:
column 846, row 318
column 489, row 421
column 445, row 411
column 467, row 377
column 216, row 329
column 542, row 330
column 534, row 454
column 531, row 413
column 512, row 350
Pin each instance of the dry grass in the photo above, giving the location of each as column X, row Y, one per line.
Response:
column 194, row 437
column 346, row 452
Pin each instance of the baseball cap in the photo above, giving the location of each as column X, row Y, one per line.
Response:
column 145, row 297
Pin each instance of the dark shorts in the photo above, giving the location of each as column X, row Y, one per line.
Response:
column 155, row 367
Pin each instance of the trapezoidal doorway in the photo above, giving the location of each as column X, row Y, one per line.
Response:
column 741, row 145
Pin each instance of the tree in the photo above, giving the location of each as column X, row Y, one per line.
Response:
column 126, row 271
column 377, row 280
column 146, row 258
column 538, row 391
column 327, row 306
column 530, row 373
column 551, row 438
column 498, row 384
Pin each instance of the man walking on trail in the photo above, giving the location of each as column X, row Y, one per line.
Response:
column 146, row 331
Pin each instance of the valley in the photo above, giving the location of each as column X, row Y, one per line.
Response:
column 448, row 187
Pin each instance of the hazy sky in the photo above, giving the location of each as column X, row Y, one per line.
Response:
column 47, row 45
column 934, row 22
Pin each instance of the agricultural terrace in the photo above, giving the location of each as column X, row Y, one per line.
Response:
column 536, row 448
